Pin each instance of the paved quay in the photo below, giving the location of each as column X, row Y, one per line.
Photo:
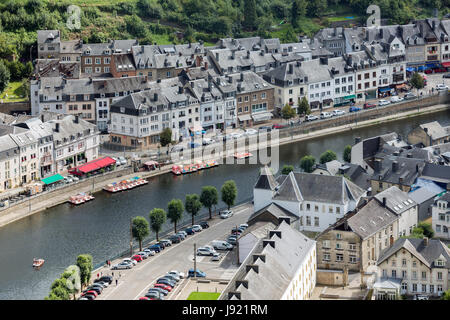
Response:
column 134, row 283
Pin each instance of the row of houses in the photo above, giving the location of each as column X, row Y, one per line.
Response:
column 33, row 148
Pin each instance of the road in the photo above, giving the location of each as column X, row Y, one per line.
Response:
column 135, row 282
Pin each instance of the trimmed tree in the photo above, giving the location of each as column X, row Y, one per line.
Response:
column 175, row 211
column 140, row 229
column 287, row 112
column 417, row 81
column 347, row 153
column 307, row 163
column 286, row 169
column 303, row 106
column 157, row 219
column 192, row 205
column 328, row 156
column 209, row 197
column 229, row 193
column 84, row 262
column 165, row 137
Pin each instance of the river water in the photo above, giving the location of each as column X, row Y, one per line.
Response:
column 101, row 227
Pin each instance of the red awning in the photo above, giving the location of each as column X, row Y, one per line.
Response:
column 446, row 64
column 94, row 165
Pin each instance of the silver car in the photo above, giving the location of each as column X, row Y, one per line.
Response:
column 122, row 266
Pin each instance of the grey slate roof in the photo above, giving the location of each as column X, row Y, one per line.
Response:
column 427, row 254
column 266, row 180
column 436, row 172
column 48, row 36
column 407, row 170
column 275, row 210
column 396, row 200
column 370, row 219
column 435, row 130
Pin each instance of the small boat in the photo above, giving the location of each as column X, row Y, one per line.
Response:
column 37, row 263
column 243, row 155
column 81, row 198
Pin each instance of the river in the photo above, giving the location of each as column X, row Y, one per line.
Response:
column 101, row 227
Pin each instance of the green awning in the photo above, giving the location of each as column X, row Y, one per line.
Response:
column 52, row 179
column 349, row 97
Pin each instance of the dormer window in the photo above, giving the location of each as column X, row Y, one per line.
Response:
column 122, row 110
column 439, row 263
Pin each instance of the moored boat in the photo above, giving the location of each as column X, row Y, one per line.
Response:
column 242, row 155
column 37, row 263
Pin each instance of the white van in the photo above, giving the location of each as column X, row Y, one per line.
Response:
column 221, row 245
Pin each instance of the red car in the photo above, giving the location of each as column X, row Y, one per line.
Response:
column 278, row 126
column 163, row 286
column 91, row 292
column 369, row 106
column 428, row 71
column 137, row 257
column 144, row 298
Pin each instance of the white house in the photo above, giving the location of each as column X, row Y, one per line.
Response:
column 440, row 217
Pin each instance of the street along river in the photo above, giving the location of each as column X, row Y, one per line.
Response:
column 101, row 227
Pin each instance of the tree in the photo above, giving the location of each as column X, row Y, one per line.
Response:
column 328, row 156
column 317, row 7
column 209, row 197
column 307, row 163
column 140, row 229
column 175, row 211
column 289, row 35
column 249, row 14
column 294, row 14
column 84, row 262
column 417, row 81
column 446, row 295
column 60, row 290
column 157, row 219
column 286, row 169
column 427, row 229
column 4, row 76
column 192, row 205
column 303, row 106
column 229, row 193
column 165, row 137
column 287, row 112
column 347, row 153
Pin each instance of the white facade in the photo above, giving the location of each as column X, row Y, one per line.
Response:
column 440, row 218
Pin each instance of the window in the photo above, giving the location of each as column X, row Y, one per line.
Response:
column 439, row 288
column 424, row 288
column 440, row 263
column 316, row 221
column 316, row 208
column 384, row 273
column 326, row 244
column 414, row 287
column 339, row 257
column 404, row 286
column 404, row 274
column 439, row 275
column 403, row 262
column 308, row 221
column 394, row 273
column 338, row 210
column 338, row 236
column 424, row 275
column 338, row 246
column 326, row 257
column 414, row 275
column 352, row 259
column 431, row 288
column 352, row 246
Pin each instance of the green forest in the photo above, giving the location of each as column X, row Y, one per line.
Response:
column 152, row 21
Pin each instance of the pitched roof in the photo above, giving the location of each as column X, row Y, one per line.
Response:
column 266, row 180
column 396, row 200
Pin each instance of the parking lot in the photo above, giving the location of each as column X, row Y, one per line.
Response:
column 134, row 283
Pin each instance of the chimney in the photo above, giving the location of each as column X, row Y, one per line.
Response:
column 57, row 127
column 275, row 232
column 217, row 56
column 261, row 257
column 180, row 89
column 77, row 119
column 158, row 81
column 248, row 54
column 206, row 65
column 42, row 117
column 192, row 84
column 233, row 55
column 291, row 69
column 253, row 267
column 417, row 167
column 230, row 79
column 266, row 242
column 394, row 166
column 155, row 97
column 324, row 60
column 400, row 180
column 378, row 165
column 242, row 76
column 299, row 63
column 384, row 201
column 241, row 282
column 425, row 242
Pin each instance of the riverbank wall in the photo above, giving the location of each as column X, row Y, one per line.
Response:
column 289, row 135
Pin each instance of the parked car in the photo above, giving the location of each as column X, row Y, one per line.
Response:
column 409, row 96
column 137, row 257
column 250, row 132
column 144, row 298
column 446, row 76
column 107, row 279
column 175, row 238
column 221, row 245
column 244, row 225
column 155, row 295
column 177, row 273
column 143, row 254
column 163, row 286
column 311, row 118
column 265, row 128
column 122, row 266
column 149, row 252
column 87, row 297
column 204, row 225
column 383, row 102
column 117, row 161
column 68, row 180
column 338, row 112
column 155, row 247
column 161, row 290
column 172, row 277
column 216, row 257
column 395, row 99
column 166, row 242
column 128, row 260
column 197, row 228
column 197, row 273
column 207, row 141
column 89, row 292
column 103, row 284
column 278, row 126
column 189, row 231
column 204, row 252
column 325, row 115
column 354, row 109
column 369, row 106
column 181, row 235
column 98, row 290
column 441, row 87
column 236, row 230
column 122, row 160
column 421, row 297
column 166, row 282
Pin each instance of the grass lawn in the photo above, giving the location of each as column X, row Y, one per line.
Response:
column 15, row 92
column 203, row 296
